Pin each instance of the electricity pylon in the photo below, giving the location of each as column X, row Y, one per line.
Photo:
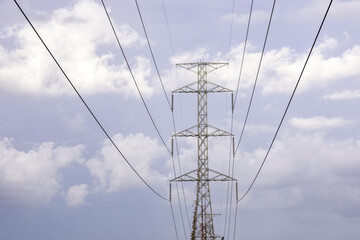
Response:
column 202, row 224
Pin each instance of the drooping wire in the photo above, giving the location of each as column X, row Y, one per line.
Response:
column 288, row 105
column 152, row 54
column 231, row 27
column 182, row 185
column 132, row 75
column 227, row 80
column 229, row 187
column 88, row 108
column 253, row 90
column 231, row 196
column 173, row 218
column 178, row 195
column 244, row 50
column 168, row 29
column 235, row 221
column 173, row 118
column 256, row 78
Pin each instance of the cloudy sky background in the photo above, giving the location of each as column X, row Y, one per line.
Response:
column 60, row 178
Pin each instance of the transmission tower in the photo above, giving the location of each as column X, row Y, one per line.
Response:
column 202, row 224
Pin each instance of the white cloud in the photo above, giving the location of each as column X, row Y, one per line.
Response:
column 340, row 10
column 281, row 68
column 257, row 16
column 110, row 171
column 77, row 37
column 254, row 129
column 304, row 172
column 76, row 194
column 190, row 56
column 319, row 122
column 32, row 178
column 344, row 95
column 75, row 122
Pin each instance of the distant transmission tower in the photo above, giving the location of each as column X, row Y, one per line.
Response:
column 202, row 224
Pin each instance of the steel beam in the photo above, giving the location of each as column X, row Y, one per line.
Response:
column 203, row 224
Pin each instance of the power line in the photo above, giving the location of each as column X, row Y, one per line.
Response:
column 152, row 54
column 182, row 185
column 173, row 218
column 132, row 75
column 288, row 105
column 236, row 210
column 168, row 28
column 228, row 200
column 231, row 27
column 256, row 78
column 173, row 120
column 178, row 197
column 244, row 50
column 88, row 108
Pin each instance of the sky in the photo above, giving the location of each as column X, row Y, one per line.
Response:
column 60, row 177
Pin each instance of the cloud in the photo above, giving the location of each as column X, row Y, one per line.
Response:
column 78, row 39
column 340, row 10
column 318, row 122
column 32, row 178
column 344, row 95
column 111, row 173
column 254, row 129
column 190, row 56
column 257, row 16
column 76, row 194
column 306, row 172
column 281, row 68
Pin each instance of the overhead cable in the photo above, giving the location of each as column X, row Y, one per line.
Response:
column 182, row 185
column 235, row 221
column 244, row 50
column 256, row 78
column 231, row 27
column 132, row 75
column 88, row 108
column 173, row 120
column 173, row 218
column 152, row 54
column 168, row 29
column 228, row 200
column 288, row 105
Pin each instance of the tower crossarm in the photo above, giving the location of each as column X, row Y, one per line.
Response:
column 193, row 132
column 192, row 176
column 193, row 88
column 215, row 88
column 193, row 66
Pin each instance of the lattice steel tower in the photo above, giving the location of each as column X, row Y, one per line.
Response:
column 202, row 225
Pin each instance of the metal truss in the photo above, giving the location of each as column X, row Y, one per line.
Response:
column 211, row 132
column 211, row 88
column 202, row 225
column 192, row 176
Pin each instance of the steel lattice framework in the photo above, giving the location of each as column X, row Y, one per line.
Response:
column 202, row 225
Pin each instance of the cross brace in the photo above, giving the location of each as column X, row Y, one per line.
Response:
column 192, row 176
column 211, row 132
